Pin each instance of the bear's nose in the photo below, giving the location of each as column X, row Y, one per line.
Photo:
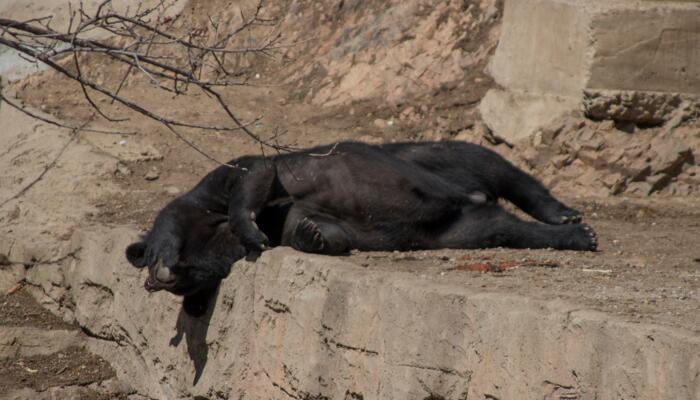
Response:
column 163, row 274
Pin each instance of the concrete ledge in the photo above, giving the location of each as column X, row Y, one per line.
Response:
column 388, row 335
column 563, row 48
column 300, row 326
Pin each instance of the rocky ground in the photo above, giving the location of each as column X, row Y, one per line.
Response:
column 41, row 352
column 371, row 71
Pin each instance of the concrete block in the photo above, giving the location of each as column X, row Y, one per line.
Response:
column 633, row 61
column 655, row 49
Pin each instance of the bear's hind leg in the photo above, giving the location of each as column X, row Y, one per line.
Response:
column 491, row 226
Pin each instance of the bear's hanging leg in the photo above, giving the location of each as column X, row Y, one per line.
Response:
column 197, row 304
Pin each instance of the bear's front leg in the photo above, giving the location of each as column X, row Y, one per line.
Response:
column 251, row 190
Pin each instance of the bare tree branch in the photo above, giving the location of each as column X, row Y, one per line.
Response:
column 55, row 123
column 146, row 44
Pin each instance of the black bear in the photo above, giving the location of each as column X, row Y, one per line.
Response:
column 334, row 198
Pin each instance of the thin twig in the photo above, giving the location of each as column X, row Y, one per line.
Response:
column 329, row 153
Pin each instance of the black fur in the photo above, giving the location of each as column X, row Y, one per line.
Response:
column 331, row 199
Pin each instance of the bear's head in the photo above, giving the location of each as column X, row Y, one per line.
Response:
column 188, row 250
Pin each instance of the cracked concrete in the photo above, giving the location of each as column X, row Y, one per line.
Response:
column 301, row 326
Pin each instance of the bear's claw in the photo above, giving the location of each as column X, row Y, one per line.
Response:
column 591, row 236
column 308, row 236
column 571, row 219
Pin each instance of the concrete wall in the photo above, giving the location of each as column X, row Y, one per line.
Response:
column 610, row 59
column 655, row 49
column 542, row 48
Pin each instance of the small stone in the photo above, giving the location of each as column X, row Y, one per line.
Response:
column 537, row 138
column 172, row 190
column 123, row 170
column 607, row 125
column 152, row 175
column 561, row 161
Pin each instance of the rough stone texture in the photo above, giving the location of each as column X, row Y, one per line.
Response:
column 641, row 108
column 301, row 326
column 10, row 275
column 625, row 60
column 610, row 159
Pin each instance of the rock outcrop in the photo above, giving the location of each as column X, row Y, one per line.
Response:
column 608, row 159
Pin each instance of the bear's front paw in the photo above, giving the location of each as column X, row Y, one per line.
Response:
column 560, row 214
column 255, row 240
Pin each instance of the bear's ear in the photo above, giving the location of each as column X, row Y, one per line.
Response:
column 136, row 254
